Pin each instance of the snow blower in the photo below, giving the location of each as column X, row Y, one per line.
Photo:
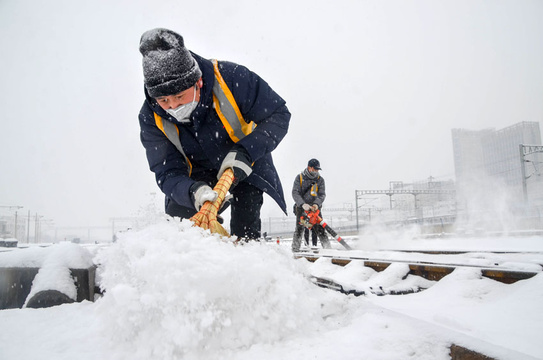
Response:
column 312, row 218
column 206, row 218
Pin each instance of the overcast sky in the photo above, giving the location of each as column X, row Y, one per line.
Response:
column 374, row 88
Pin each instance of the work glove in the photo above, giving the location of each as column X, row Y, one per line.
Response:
column 239, row 160
column 314, row 207
column 306, row 207
column 200, row 193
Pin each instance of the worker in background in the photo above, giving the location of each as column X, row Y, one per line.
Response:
column 308, row 192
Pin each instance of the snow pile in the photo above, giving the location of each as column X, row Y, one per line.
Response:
column 64, row 254
column 173, row 290
column 54, row 265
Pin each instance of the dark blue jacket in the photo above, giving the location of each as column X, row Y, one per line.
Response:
column 206, row 142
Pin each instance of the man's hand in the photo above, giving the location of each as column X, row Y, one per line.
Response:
column 203, row 193
column 314, row 207
column 306, row 207
column 239, row 161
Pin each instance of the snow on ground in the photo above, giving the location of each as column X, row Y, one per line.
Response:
column 175, row 292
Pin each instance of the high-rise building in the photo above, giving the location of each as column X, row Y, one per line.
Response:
column 495, row 155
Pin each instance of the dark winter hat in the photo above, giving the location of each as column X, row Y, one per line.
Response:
column 314, row 163
column 168, row 67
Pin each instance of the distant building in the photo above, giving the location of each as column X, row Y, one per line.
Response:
column 429, row 202
column 4, row 232
column 498, row 181
column 8, row 230
column 495, row 154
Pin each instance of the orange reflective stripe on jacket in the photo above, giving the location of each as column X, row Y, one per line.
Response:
column 227, row 110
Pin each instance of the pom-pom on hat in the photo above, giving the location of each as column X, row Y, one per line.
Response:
column 168, row 66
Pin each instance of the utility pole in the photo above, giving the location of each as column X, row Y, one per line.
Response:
column 37, row 229
column 28, row 228
column 356, row 207
column 523, row 172
column 15, row 229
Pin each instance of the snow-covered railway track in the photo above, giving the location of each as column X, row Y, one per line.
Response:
column 352, row 273
column 432, row 270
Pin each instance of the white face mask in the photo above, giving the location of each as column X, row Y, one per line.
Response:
column 182, row 112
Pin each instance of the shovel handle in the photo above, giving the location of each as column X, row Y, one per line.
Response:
column 208, row 212
column 222, row 187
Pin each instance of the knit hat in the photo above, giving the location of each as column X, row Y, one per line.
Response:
column 168, row 67
column 314, row 163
